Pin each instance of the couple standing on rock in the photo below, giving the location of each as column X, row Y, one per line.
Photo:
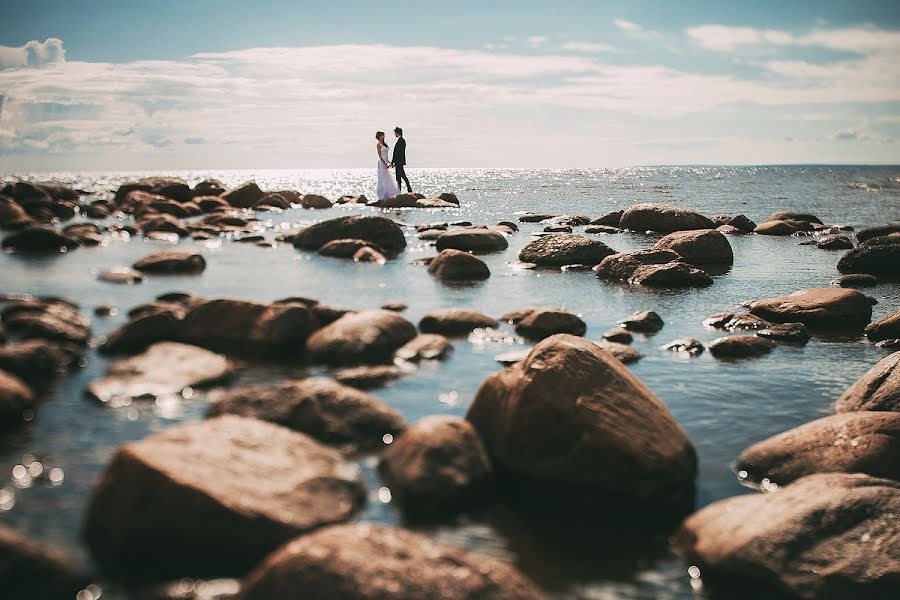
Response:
column 387, row 188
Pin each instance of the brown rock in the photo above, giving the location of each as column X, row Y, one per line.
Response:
column 344, row 248
column 15, row 399
column 36, row 571
column 121, row 275
column 368, row 377
column 425, row 346
column 56, row 324
column 885, row 328
column 367, row 254
column 817, row 307
column 699, row 247
column 611, row 219
column 876, row 256
column 646, row 321
column 245, row 196
column 835, row 242
column 363, row 337
column 869, row 233
column 856, row 280
column 209, row 187
column 794, row 333
column 740, row 346
column 456, row 265
column 651, row 268
column 735, row 321
column 544, row 322
column 686, row 345
column 171, row 262
column 472, row 240
column 566, row 249
column 618, row 335
column 775, row 228
column 383, row 232
column 624, row 353
column 878, row 389
column 662, row 217
column 39, row 238
column 455, row 321
column 143, row 330
column 793, row 215
column 37, row 361
column 314, row 201
column 170, row 187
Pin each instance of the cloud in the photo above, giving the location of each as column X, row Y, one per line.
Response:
column 635, row 30
column 536, row 40
column 33, row 54
column 857, row 135
column 589, row 47
column 726, row 38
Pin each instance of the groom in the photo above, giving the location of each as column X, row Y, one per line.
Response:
column 399, row 160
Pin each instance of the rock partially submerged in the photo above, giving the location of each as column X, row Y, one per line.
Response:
column 378, row 230
column 171, row 262
column 472, row 239
column 740, row 346
column 825, row 308
column 878, row 389
column 215, row 496
column 794, row 333
column 426, row 346
column 686, row 345
column 37, row 571
column 455, row 321
column 886, row 328
column 663, row 218
column 699, row 247
column 651, row 268
column 868, row 233
column 15, row 398
column 564, row 249
column 540, row 323
column 370, row 336
column 645, row 321
column 856, row 280
column 456, row 265
column 38, row 239
column 876, row 256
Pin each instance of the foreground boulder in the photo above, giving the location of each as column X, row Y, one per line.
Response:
column 171, row 262
column 39, row 238
column 878, row 389
column 564, row 249
column 332, row 413
column 383, row 232
column 700, row 247
column 651, row 268
column 877, row 256
column 437, row 464
column 15, row 399
column 663, row 218
column 824, row 536
column 35, row 571
column 887, row 328
column 456, row 265
column 825, row 308
column 455, row 321
column 370, row 336
column 577, row 426
column 854, row 442
column 215, row 496
column 163, row 369
column 364, row 561
column 472, row 240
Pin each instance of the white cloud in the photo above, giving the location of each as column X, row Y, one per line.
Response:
column 536, row 40
column 635, row 30
column 627, row 25
column 589, row 47
column 33, row 54
column 726, row 38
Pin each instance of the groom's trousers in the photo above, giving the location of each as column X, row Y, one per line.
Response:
column 401, row 175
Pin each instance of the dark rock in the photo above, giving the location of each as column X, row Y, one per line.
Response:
column 817, row 307
column 367, row 254
column 86, row 234
column 170, row 187
column 876, row 256
column 455, row 321
column 157, row 223
column 121, row 275
column 209, row 204
column 556, row 229
column 171, row 262
column 856, row 280
column 434, row 203
column 368, row 377
column 793, row 215
column 366, row 337
column 105, row 310
column 426, row 346
column 39, row 238
column 624, row 353
column 456, row 265
column 449, row 197
column 395, row 306
column 15, row 398
column 352, row 200
column 742, row 223
column 245, row 196
column 509, row 225
column 645, row 321
column 378, row 230
column 618, row 335
column 892, row 344
column 209, row 187
column 699, row 247
column 663, row 217
column 36, row 571
column 37, row 361
column 602, row 229
column 345, row 248
column 54, row 325
column 612, row 219
column 878, row 389
column 544, row 322
column 775, row 228
column 736, row 322
column 740, row 346
column 474, row 240
column 534, row 217
column 651, row 268
column 885, row 328
column 835, row 242
column 398, row 201
column 686, row 345
column 314, row 201
column 566, row 249
column 869, row 233
column 12, row 215
column 795, row 333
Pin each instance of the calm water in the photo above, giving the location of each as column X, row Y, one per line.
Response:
column 724, row 406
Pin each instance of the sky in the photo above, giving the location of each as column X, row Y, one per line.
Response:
column 210, row 84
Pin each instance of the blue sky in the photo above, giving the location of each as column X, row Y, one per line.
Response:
column 222, row 84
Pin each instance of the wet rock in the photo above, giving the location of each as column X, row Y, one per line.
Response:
column 170, row 187
column 144, row 330
column 98, row 210
column 618, row 335
column 39, row 238
column 509, row 225
column 364, row 561
column 368, row 254
column 624, row 353
column 395, row 306
column 437, row 465
column 577, row 423
column 852, row 442
column 534, row 217
column 426, row 346
column 365, row 337
column 398, row 201
column 775, row 228
column 171, row 262
column 456, row 265
column 314, row 201
column 557, row 229
column 856, row 280
column 824, row 536
column 378, row 230
column 645, row 321
column 86, row 234
column 332, row 413
column 449, row 197
column 736, row 322
column 431, row 234
column 210, row 204
column 37, row 361
column 209, row 187
column 663, row 218
column 245, row 196
column 544, row 322
column 352, row 200
column 699, row 247
column 12, row 215
column 685, row 345
column 794, row 333
column 215, row 496
column 876, row 256
column 651, row 268
column 368, row 377
column 344, row 248
column 817, row 307
column 611, row 219
column 878, row 389
column 793, row 215
column 740, row 346
column 566, row 249
column 869, row 233
column 36, row 571
column 434, row 203
column 835, row 242
column 455, row 321
column 472, row 240
column 892, row 344
column 885, row 328
column 602, row 229
column 121, row 275
column 54, row 324
column 164, row 369
column 15, row 398
column 742, row 223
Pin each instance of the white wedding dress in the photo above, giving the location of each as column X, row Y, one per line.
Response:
column 387, row 185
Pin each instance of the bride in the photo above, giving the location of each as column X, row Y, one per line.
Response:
column 387, row 187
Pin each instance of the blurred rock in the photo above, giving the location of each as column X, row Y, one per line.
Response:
column 878, row 389
column 33, row 571
column 455, row 321
column 366, row 337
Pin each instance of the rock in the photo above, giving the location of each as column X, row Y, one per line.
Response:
column 511, row 358
column 105, row 310
column 565, row 249
column 576, row 423
column 699, row 247
column 398, row 201
column 36, row 571
column 795, row 333
column 651, row 268
column 156, row 223
column 241, row 327
column 383, row 232
column 209, row 204
column 611, row 219
column 876, row 256
column 449, row 197
column 364, row 561
column 368, row 377
column 353, row 200
column 817, row 307
column 170, row 187
column 215, row 496
column 824, row 536
column 602, row 229
column 455, row 321
column 245, row 196
column 544, row 322
column 15, row 398
column 456, row 265
column 618, row 335
column 534, row 217
column 171, row 262
column 425, row 346
column 742, row 223
column 55, row 324
column 852, row 442
column 39, row 238
column 164, row 369
column 434, row 203
column 332, row 413
column 645, row 321
column 343, row 248
column 144, row 330
column 878, row 389
column 775, row 228
column 121, row 275
column 885, row 328
column 835, row 242
column 37, row 362
column 891, row 344
column 793, row 215
column 740, row 346
column 868, row 233
column 662, row 217
column 624, row 353
column 367, row 254
column 209, row 187
column 472, row 240
column 437, row 465
column 86, row 234
column 686, row 345
column 314, row 201
column 363, row 337
column 12, row 215
column 557, row 229
column 856, row 280
column 736, row 322
column 395, row 306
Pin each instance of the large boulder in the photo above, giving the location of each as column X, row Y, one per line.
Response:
column 143, row 330
column 878, row 389
column 472, row 240
column 564, row 249
column 699, row 247
column 15, row 398
column 245, row 196
column 886, row 328
column 835, row 242
column 777, row 227
column 39, row 238
column 869, row 233
column 456, row 265
column 209, row 187
column 651, row 268
column 364, row 561
column 663, row 218
column 577, row 425
column 164, row 369
column 381, row 231
column 455, row 321
column 333, row 413
column 794, row 215
column 824, row 308
column 740, row 346
column 37, row 571
column 370, row 336
column 437, row 464
column 854, row 442
column 824, row 536
column 215, row 496
column 170, row 187
column 171, row 262
column 877, row 256
column 314, row 201
column 544, row 322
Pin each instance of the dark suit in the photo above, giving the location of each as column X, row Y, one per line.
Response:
column 399, row 161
